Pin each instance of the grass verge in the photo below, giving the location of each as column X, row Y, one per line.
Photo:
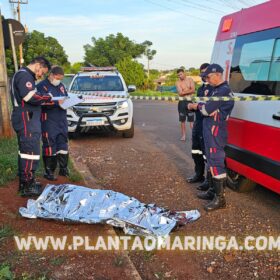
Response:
column 152, row 93
column 9, row 158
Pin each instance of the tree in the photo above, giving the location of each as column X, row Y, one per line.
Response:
column 36, row 44
column 132, row 71
column 111, row 50
column 149, row 53
column 74, row 68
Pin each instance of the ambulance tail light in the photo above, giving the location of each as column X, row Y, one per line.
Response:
column 227, row 25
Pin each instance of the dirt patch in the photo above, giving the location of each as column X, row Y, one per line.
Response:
column 53, row 264
column 138, row 168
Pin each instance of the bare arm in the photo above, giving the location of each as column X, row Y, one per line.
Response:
column 179, row 89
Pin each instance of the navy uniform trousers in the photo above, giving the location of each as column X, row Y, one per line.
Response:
column 215, row 118
column 198, row 153
column 26, row 121
column 54, row 122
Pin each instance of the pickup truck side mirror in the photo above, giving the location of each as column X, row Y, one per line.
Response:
column 131, row 88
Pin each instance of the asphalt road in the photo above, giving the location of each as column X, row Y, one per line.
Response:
column 153, row 167
column 159, row 122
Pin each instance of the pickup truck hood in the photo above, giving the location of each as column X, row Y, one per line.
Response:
column 92, row 97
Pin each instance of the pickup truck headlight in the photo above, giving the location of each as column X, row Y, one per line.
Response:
column 123, row 104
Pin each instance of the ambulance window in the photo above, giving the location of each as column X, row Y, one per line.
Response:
column 255, row 60
column 255, row 67
column 274, row 73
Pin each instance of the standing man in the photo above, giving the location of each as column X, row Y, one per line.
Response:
column 185, row 87
column 215, row 135
column 26, row 122
column 54, row 126
column 198, row 152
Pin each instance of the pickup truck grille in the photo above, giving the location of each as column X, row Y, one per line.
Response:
column 105, row 108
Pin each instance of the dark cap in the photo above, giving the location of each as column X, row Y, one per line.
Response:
column 212, row 68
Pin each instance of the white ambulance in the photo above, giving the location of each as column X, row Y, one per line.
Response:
column 247, row 46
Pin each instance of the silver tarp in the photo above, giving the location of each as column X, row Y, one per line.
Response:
column 79, row 204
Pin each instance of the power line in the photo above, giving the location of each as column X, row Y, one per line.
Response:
column 203, row 7
column 180, row 12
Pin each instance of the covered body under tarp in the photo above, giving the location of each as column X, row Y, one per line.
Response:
column 84, row 205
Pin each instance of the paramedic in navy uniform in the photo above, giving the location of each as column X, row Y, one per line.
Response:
column 54, row 126
column 27, row 101
column 198, row 153
column 216, row 114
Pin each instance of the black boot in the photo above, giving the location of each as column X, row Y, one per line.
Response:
column 199, row 170
column 30, row 188
column 208, row 195
column 50, row 166
column 206, row 184
column 219, row 200
column 63, row 162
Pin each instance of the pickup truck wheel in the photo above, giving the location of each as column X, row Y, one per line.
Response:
column 130, row 132
column 239, row 183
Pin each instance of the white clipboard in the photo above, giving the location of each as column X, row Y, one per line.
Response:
column 71, row 101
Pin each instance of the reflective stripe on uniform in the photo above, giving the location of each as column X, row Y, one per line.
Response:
column 29, row 95
column 62, row 152
column 221, row 176
column 197, row 152
column 27, row 156
column 203, row 111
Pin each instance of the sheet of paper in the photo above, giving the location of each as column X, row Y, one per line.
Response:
column 71, row 101
column 58, row 98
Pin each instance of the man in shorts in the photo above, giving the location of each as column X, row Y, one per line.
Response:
column 185, row 87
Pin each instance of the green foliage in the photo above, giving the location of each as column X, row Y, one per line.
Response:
column 73, row 68
column 171, row 79
column 149, row 82
column 152, row 93
column 8, row 164
column 10, row 62
column 6, row 231
column 194, row 72
column 8, row 159
column 111, row 50
column 149, row 53
column 57, row 261
column 36, row 44
column 75, row 176
column 5, row 272
column 132, row 71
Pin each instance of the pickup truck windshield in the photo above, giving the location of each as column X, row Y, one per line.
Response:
column 97, row 83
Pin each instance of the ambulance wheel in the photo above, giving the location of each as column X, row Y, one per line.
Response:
column 73, row 135
column 239, row 183
column 130, row 132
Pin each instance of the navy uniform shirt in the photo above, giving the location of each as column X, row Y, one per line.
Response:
column 224, row 107
column 205, row 90
column 24, row 93
column 57, row 91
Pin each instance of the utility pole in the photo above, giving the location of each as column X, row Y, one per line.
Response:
column 5, row 126
column 19, row 2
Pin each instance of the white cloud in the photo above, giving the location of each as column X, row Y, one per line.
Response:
column 170, row 38
column 103, row 21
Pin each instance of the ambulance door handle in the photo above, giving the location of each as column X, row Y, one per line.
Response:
column 276, row 116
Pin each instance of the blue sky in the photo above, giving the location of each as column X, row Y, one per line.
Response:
column 182, row 31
